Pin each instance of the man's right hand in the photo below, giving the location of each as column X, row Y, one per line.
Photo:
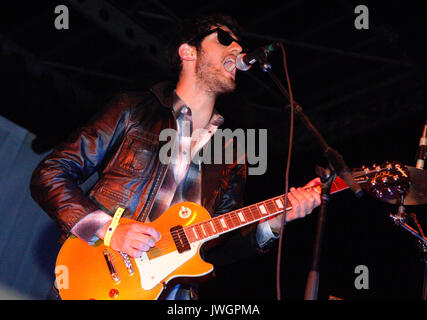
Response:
column 132, row 238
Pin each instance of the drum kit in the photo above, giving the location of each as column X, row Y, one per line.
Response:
column 411, row 191
column 393, row 183
column 399, row 185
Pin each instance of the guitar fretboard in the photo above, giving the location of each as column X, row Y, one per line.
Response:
column 244, row 216
column 235, row 219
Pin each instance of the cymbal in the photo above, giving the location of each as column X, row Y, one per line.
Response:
column 417, row 192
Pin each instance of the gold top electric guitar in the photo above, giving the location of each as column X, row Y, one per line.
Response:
column 85, row 272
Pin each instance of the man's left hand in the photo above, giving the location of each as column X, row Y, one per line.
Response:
column 303, row 201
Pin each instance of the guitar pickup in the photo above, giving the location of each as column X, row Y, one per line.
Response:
column 179, row 237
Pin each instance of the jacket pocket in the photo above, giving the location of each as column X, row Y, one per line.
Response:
column 137, row 154
column 110, row 195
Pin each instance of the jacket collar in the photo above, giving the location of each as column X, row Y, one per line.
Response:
column 164, row 92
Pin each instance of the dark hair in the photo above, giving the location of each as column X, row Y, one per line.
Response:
column 191, row 28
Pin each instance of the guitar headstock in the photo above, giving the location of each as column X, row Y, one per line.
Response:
column 386, row 182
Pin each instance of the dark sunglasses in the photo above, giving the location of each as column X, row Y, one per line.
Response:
column 223, row 37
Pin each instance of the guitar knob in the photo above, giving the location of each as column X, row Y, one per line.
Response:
column 114, row 293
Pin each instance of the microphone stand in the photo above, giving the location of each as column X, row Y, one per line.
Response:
column 335, row 160
column 327, row 177
column 337, row 166
column 399, row 219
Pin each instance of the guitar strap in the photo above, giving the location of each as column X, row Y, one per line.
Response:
column 148, row 205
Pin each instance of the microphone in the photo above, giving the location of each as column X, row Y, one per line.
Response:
column 244, row 61
column 421, row 155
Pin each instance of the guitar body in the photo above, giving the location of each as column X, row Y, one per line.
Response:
column 83, row 273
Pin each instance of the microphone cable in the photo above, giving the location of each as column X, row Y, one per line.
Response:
column 288, row 165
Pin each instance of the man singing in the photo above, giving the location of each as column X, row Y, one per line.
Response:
column 122, row 144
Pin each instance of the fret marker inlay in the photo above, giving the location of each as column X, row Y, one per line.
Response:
column 241, row 216
column 213, row 228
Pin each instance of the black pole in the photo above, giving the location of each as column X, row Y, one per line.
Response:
column 424, row 248
column 312, row 285
column 338, row 167
column 399, row 219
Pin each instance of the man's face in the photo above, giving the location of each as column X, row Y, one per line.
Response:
column 215, row 66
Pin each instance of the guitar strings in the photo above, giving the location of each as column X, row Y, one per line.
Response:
column 251, row 212
column 167, row 239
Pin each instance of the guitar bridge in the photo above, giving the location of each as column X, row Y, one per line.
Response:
column 128, row 263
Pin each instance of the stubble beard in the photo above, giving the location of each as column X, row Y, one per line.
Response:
column 211, row 78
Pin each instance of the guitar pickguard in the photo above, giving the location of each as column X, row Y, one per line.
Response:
column 153, row 271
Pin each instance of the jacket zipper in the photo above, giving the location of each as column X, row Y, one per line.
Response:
column 156, row 186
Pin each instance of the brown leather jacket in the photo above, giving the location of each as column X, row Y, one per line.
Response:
column 122, row 145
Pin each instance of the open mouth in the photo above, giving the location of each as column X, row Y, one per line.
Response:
column 230, row 66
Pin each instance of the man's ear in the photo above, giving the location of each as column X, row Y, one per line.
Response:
column 187, row 52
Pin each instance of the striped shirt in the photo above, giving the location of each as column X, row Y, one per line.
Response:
column 183, row 178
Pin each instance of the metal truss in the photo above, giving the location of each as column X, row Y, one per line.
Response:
column 123, row 28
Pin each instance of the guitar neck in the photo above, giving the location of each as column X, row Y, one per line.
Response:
column 239, row 218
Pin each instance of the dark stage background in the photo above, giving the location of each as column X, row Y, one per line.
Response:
column 364, row 90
